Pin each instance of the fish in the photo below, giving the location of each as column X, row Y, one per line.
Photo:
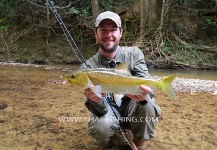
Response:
column 118, row 81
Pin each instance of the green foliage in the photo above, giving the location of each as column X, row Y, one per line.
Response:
column 166, row 48
column 73, row 10
column 107, row 5
column 82, row 12
column 210, row 22
column 22, row 15
column 3, row 27
column 10, row 8
column 206, row 0
column 113, row 4
column 81, row 8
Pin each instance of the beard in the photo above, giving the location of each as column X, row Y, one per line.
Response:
column 110, row 50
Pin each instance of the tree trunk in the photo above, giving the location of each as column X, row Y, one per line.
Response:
column 48, row 23
column 165, row 20
column 143, row 18
column 150, row 13
column 95, row 8
column 169, row 5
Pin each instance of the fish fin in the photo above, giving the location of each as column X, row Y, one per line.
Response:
column 166, row 85
column 124, row 67
column 97, row 89
column 148, row 99
column 117, row 98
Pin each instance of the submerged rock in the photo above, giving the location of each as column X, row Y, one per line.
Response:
column 3, row 106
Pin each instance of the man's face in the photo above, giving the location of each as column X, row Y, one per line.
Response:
column 108, row 36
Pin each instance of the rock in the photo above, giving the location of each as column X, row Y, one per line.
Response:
column 3, row 106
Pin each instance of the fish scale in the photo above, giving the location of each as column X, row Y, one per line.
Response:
column 118, row 83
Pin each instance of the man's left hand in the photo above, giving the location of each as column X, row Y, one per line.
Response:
column 146, row 89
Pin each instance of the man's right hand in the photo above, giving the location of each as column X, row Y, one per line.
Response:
column 92, row 96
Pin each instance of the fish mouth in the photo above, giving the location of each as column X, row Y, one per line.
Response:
column 68, row 76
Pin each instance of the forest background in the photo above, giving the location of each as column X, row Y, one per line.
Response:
column 171, row 33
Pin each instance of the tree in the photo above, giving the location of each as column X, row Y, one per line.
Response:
column 149, row 13
column 167, row 31
column 95, row 8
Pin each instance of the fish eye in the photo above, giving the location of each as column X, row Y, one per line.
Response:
column 72, row 75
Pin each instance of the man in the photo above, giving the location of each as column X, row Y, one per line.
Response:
column 103, row 125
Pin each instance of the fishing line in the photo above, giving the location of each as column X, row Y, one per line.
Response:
column 120, row 125
column 9, row 59
column 66, row 32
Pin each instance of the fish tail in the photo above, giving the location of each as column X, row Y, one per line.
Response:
column 166, row 86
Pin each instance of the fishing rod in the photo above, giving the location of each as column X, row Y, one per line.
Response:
column 70, row 39
column 67, row 33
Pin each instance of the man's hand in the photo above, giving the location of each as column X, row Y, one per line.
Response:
column 138, row 98
column 93, row 97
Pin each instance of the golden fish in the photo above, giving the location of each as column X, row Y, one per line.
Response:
column 118, row 81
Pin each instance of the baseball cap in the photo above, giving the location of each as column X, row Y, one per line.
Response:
column 108, row 15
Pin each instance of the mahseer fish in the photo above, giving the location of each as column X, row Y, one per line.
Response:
column 118, row 81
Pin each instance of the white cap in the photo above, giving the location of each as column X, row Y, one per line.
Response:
column 108, row 15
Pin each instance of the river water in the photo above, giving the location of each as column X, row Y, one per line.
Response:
column 37, row 96
column 191, row 74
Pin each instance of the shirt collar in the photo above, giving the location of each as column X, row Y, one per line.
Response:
column 105, row 61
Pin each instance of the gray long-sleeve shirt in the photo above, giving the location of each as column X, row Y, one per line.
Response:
column 138, row 68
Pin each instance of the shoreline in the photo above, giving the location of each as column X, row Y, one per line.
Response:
column 184, row 85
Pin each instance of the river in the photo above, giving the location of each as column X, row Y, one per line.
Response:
column 191, row 74
column 33, row 98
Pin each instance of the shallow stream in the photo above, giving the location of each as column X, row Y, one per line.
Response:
column 36, row 101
